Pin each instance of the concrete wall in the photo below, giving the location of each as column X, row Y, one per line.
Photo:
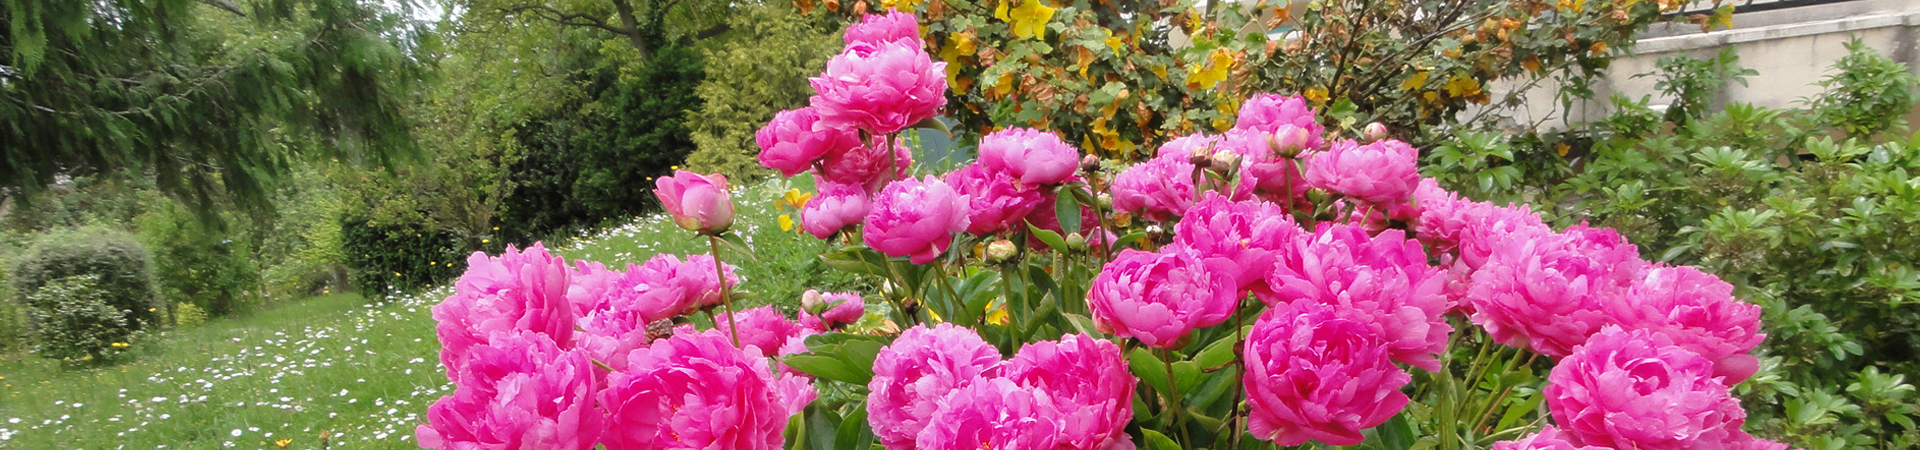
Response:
column 1791, row 48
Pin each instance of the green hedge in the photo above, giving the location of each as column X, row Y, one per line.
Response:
column 122, row 264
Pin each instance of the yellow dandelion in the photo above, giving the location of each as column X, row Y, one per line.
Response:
column 483, row 241
column 282, row 443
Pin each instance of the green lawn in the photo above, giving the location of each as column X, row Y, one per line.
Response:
column 330, row 366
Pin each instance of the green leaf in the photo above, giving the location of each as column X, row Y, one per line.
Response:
column 858, row 260
column 826, row 368
column 854, row 432
column 1051, row 238
column 1157, row 441
column 1219, row 353
column 1149, row 368
column 1067, row 209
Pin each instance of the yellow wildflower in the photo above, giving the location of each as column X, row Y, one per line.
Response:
column 1029, row 20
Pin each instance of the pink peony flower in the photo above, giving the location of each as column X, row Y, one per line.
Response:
column 1382, row 278
column 993, row 414
column 1698, row 311
column 1087, row 380
column 517, row 390
column 1637, row 390
column 1548, row 438
column 795, row 139
column 913, row 376
column 764, row 328
column 1159, row 298
column 1382, row 172
column 880, row 87
column 696, row 279
column 698, row 203
column 1548, row 292
column 588, row 284
column 1269, row 113
column 694, row 390
column 795, row 345
column 883, row 28
column 1185, row 146
column 1252, row 234
column 1032, row 156
column 517, row 291
column 1314, row 374
column 915, row 218
column 836, row 207
column 1467, row 228
column 997, row 201
column 866, row 166
column 1159, row 189
column 831, row 310
column 1274, row 177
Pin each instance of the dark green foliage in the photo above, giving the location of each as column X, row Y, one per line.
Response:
column 121, row 264
column 593, row 160
column 1869, row 94
column 384, row 258
column 208, row 102
column 200, row 263
column 72, row 320
column 756, row 70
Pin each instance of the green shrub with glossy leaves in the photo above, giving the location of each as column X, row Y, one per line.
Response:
column 122, row 264
column 72, row 320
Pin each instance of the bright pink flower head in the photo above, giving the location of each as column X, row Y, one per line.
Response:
column 1159, row 189
column 916, row 218
column 588, row 283
column 634, row 298
column 913, row 376
column 1275, row 177
column 993, row 414
column 997, row 201
column 1469, row 229
column 836, row 207
column 1270, row 113
column 1314, row 374
column 1252, row 234
column 883, row 28
column 1698, row 311
column 1382, row 278
column 880, row 87
column 795, row 139
column 1032, row 156
column 1381, row 172
column 1548, row 291
column 867, row 166
column 1637, row 390
column 517, row 391
column 697, row 280
column 698, row 203
column 830, row 310
column 1160, row 297
column 1548, row 438
column 764, row 328
column 695, row 390
column 513, row 292
column 1185, row 146
column 1088, row 380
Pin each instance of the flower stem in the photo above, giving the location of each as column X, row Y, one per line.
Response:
column 726, row 292
column 1177, row 412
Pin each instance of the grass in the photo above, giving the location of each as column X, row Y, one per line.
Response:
column 335, row 370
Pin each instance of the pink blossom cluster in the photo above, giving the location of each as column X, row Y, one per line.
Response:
column 1270, row 142
column 551, row 356
column 944, row 388
column 1637, row 390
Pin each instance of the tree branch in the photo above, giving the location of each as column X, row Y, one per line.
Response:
column 567, row 18
column 225, row 5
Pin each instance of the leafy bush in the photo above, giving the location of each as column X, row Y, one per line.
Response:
column 753, row 73
column 208, row 264
column 396, row 257
column 122, row 265
column 188, row 315
column 73, row 321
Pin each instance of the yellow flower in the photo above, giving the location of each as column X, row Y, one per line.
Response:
column 997, row 315
column 1205, row 76
column 795, row 198
column 786, row 222
column 1317, row 95
column 1415, row 81
column 483, row 241
column 496, row 228
column 1462, row 86
column 326, row 291
column 903, row 5
column 959, row 45
column 282, row 443
column 1029, row 20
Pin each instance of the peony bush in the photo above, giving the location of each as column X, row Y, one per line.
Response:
column 1274, row 284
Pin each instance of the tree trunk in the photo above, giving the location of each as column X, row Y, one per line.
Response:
column 635, row 35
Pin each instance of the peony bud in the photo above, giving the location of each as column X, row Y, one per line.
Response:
column 1375, row 131
column 1076, row 241
column 1090, row 164
column 1000, row 250
column 1105, row 201
column 1225, row 162
column 1289, row 141
column 811, row 301
column 697, row 202
column 1200, row 157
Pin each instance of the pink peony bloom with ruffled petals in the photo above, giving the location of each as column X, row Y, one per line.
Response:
column 795, row 139
column 1159, row 189
column 1252, row 234
column 764, row 328
column 1548, row 292
column 868, row 166
column 588, row 283
column 1160, row 297
column 993, row 414
column 795, row 345
column 696, row 278
column 1548, row 438
column 880, row 87
column 830, row 310
column 916, row 219
column 695, row 390
column 836, row 207
column 892, row 26
column 1383, row 278
column 1185, row 146
column 517, row 391
column 1466, row 228
column 1032, row 156
column 1635, row 389
column 913, row 376
column 1314, row 374
column 514, row 291
column 1270, row 113
column 1088, row 381
column 1381, row 172
column 997, row 201
column 1274, row 177
column 698, row 203
column 1698, row 311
